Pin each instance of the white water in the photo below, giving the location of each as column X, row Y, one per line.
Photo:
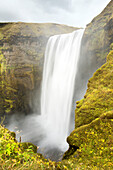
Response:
column 60, row 67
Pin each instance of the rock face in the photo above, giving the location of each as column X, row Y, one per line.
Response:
column 98, row 37
column 22, row 48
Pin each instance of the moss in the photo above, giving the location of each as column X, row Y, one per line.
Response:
column 93, row 140
column 110, row 56
column 27, row 145
column 111, row 46
column 1, row 36
column 15, row 155
column 78, row 133
column 99, row 96
column 7, row 93
column 13, row 134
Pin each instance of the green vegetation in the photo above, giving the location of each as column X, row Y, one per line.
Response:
column 93, row 133
column 15, row 155
column 99, row 96
column 95, row 142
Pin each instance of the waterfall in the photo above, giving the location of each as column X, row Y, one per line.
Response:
column 60, row 67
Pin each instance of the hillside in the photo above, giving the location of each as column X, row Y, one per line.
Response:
column 92, row 137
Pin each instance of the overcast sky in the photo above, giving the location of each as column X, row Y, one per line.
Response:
column 69, row 12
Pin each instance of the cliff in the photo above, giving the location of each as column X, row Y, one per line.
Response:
column 96, row 42
column 98, row 36
column 22, row 48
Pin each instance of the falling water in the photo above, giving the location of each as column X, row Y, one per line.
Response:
column 60, row 67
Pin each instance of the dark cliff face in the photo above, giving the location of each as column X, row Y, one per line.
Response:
column 98, row 36
column 22, row 48
column 96, row 42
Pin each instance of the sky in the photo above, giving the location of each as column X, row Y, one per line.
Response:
column 76, row 13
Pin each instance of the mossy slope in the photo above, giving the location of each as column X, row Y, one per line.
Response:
column 99, row 95
column 94, row 121
column 95, row 143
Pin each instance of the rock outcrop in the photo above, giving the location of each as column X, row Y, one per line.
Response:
column 22, row 48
